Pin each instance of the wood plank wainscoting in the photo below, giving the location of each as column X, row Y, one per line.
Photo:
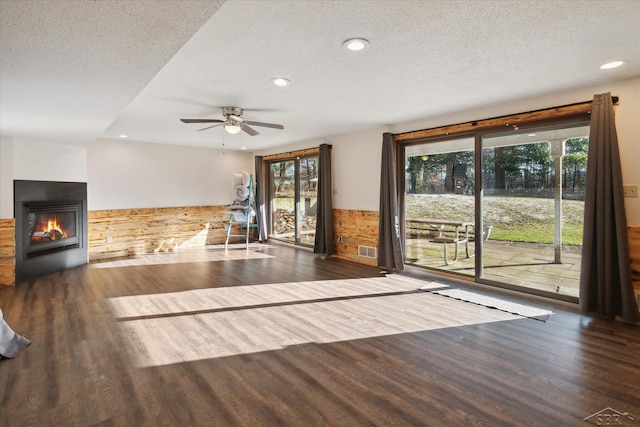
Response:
column 124, row 232
column 7, row 252
column 353, row 228
column 147, row 230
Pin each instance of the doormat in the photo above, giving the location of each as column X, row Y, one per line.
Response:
column 503, row 303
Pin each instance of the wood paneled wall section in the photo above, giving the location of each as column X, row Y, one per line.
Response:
column 7, row 252
column 147, row 230
column 134, row 231
column 634, row 254
column 353, row 228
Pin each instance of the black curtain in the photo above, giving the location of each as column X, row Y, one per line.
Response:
column 605, row 275
column 324, row 213
column 260, row 232
column 390, row 255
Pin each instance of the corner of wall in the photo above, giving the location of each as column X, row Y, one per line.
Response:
column 6, row 177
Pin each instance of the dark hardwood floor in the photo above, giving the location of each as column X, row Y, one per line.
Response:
column 273, row 346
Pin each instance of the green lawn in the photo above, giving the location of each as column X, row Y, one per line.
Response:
column 515, row 219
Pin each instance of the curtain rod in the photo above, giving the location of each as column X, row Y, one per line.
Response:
column 569, row 109
column 290, row 154
column 614, row 99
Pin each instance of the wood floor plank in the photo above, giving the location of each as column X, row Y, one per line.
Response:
column 289, row 338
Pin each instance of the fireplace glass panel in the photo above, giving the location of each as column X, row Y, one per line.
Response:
column 50, row 226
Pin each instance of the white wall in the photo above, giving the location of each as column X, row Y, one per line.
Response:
column 130, row 174
column 356, row 167
column 37, row 161
column 356, row 170
column 124, row 174
column 49, row 162
column 6, row 177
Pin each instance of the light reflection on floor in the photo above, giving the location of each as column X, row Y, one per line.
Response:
column 253, row 320
column 208, row 254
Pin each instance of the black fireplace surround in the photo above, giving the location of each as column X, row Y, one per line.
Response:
column 51, row 227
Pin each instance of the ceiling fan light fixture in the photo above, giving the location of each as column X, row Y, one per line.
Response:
column 613, row 64
column 232, row 129
column 356, row 44
column 234, row 122
column 280, row 81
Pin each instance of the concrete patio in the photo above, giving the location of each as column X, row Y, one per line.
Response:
column 527, row 265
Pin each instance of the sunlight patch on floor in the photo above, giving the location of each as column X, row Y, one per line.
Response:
column 197, row 300
column 242, row 329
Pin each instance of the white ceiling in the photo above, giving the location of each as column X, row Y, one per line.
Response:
column 74, row 71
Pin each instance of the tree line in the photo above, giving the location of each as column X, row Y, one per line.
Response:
column 516, row 169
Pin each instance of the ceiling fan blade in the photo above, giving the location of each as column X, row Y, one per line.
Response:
column 201, row 121
column 267, row 125
column 209, row 127
column 248, row 130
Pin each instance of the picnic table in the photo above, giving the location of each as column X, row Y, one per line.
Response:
column 443, row 231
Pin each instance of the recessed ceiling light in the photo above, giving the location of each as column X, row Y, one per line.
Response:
column 280, row 81
column 356, row 44
column 123, row 136
column 243, row 148
column 613, row 64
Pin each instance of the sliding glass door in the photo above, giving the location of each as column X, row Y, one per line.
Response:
column 440, row 204
column 292, row 199
column 505, row 208
column 533, row 203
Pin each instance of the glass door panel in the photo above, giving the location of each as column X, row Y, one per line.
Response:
column 439, row 205
column 532, row 208
column 307, row 200
column 293, row 199
column 282, row 200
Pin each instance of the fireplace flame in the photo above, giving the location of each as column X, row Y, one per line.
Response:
column 50, row 230
column 52, row 227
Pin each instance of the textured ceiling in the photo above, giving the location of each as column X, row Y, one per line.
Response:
column 75, row 71
column 69, row 68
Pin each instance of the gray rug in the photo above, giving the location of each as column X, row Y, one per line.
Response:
column 503, row 303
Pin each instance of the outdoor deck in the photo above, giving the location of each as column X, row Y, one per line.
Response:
column 527, row 265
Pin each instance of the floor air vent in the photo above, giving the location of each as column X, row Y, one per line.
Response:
column 367, row 252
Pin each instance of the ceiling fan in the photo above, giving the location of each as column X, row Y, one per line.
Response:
column 234, row 122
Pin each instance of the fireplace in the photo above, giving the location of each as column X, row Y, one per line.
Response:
column 51, row 227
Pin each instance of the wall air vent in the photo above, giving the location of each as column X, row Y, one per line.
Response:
column 367, row 252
